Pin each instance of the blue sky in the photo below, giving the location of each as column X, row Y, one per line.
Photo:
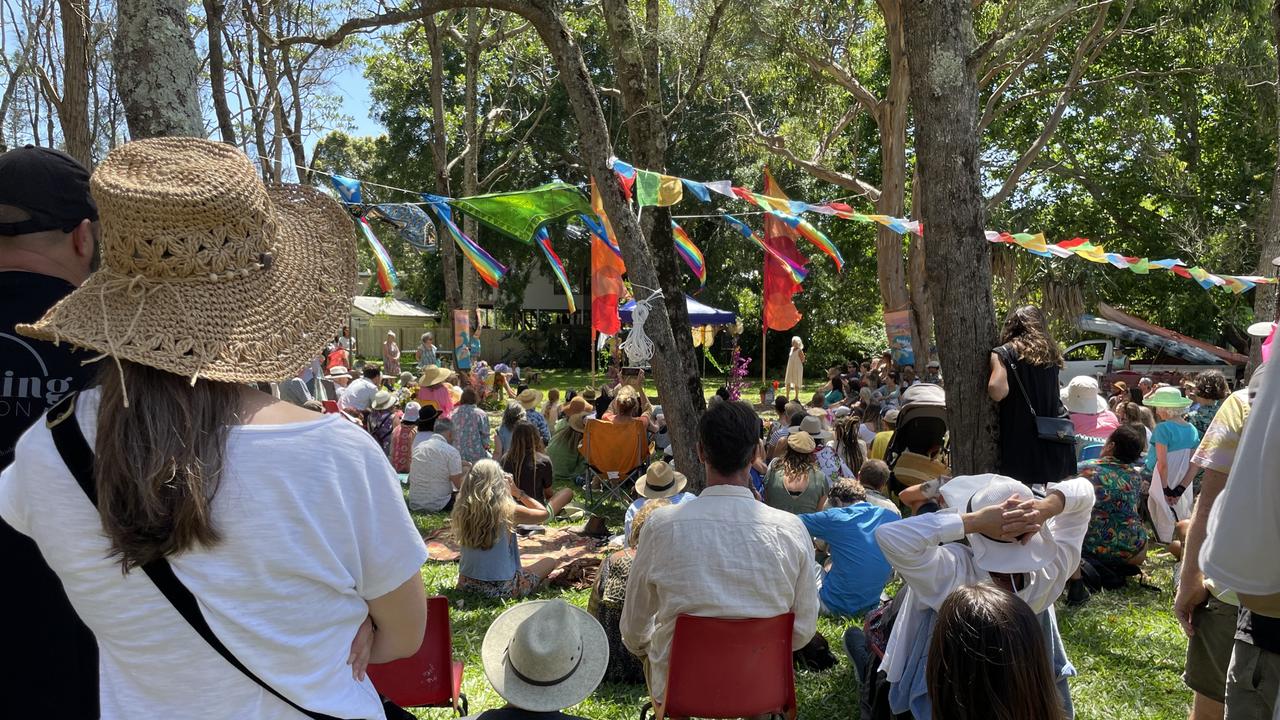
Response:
column 354, row 90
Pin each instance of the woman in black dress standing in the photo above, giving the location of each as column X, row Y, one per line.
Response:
column 1028, row 350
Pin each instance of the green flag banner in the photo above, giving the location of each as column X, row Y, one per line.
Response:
column 520, row 214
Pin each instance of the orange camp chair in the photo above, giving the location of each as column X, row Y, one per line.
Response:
column 429, row 677
column 752, row 658
column 616, row 454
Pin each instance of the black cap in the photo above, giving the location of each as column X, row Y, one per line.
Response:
column 50, row 186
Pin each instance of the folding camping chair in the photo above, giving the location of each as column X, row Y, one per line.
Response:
column 616, row 454
column 429, row 677
column 753, row 671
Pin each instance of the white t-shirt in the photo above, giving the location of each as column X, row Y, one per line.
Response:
column 434, row 462
column 313, row 524
column 359, row 395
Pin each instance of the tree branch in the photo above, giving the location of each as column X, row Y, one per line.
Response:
column 777, row 145
column 1085, row 54
column 998, row 44
column 695, row 83
column 842, row 78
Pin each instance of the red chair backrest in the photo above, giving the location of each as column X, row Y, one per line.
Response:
column 424, row 678
column 330, row 406
column 730, row 667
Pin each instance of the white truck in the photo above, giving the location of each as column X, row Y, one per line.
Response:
column 1133, row 349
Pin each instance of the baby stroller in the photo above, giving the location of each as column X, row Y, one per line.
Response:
column 918, row 450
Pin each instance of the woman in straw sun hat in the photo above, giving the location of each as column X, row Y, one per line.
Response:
column 433, row 387
column 543, row 656
column 211, row 281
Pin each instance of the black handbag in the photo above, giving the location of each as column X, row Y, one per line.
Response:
column 1049, row 429
column 78, row 456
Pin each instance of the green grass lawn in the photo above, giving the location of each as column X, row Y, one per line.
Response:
column 1126, row 645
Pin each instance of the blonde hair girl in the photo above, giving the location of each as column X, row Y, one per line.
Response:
column 488, row 507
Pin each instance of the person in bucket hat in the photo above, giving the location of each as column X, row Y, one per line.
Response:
column 212, row 282
column 529, row 399
column 660, row 481
column 1027, row 545
column 543, row 656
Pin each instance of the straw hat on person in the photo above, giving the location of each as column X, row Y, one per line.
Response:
column 1167, row 397
column 383, row 400
column 812, row 426
column 974, row 492
column 589, row 395
column 575, row 406
column 529, row 398
column 544, row 655
column 1081, row 396
column 660, row 481
column 206, row 272
column 433, row 375
column 801, row 442
column 913, row 468
column 338, row 371
column 578, row 421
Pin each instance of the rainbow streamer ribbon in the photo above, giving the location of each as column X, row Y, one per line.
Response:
column 490, row 270
column 692, row 255
column 595, row 227
column 387, row 278
column 813, row 235
column 797, row 272
column 557, row 265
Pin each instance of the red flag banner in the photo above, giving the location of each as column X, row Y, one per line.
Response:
column 779, row 310
column 607, row 269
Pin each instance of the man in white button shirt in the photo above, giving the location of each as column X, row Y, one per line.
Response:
column 436, row 472
column 724, row 554
column 359, row 394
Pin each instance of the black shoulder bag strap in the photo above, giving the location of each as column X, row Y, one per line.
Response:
column 1013, row 370
column 78, row 456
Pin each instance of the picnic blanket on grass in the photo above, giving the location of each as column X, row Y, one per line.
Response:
column 580, row 555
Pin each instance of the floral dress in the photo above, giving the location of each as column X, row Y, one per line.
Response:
column 1116, row 532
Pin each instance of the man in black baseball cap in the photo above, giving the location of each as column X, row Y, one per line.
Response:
column 48, row 246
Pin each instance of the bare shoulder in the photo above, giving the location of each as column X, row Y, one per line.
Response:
column 258, row 408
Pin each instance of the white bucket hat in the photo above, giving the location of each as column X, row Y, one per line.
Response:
column 974, row 492
column 544, row 655
column 1081, row 396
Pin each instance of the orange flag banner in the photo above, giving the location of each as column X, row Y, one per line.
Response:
column 779, row 309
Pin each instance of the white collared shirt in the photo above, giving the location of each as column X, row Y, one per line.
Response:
column 723, row 554
column 932, row 570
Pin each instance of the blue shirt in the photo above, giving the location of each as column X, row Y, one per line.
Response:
column 535, row 417
column 500, row 562
column 1174, row 436
column 858, row 568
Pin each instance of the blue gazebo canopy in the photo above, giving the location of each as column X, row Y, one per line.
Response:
column 699, row 314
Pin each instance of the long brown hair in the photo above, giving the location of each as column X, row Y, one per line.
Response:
column 795, row 464
column 1027, row 332
column 987, row 659
column 159, row 461
column 526, row 443
column 847, row 446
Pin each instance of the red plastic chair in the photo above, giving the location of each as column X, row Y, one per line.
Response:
column 330, row 406
column 752, row 673
column 430, row 677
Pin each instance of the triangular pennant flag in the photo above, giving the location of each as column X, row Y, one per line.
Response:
column 724, row 187
column 698, row 189
column 348, row 188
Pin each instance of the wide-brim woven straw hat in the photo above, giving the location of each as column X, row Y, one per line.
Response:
column 206, row 272
column 433, row 375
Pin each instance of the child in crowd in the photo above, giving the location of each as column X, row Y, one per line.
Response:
column 402, row 438
column 609, row 595
column 502, row 442
column 857, row 571
column 874, row 477
column 1025, row 545
column 1172, row 442
column 1116, row 535
column 880, row 445
column 488, row 507
column 660, row 482
column 987, row 646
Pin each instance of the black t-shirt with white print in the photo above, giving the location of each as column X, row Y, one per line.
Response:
column 52, row 670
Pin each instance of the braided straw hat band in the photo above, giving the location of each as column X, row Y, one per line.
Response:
column 207, row 273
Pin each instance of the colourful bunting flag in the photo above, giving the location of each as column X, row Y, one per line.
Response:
column 778, row 307
column 723, row 187
column 348, row 188
column 691, row 254
column 812, row 234
column 607, row 269
column 490, row 270
column 797, row 272
column 519, row 214
column 657, row 189
column 387, row 278
column 698, row 189
column 543, row 239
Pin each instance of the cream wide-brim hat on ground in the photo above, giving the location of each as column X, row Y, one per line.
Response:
column 206, row 272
